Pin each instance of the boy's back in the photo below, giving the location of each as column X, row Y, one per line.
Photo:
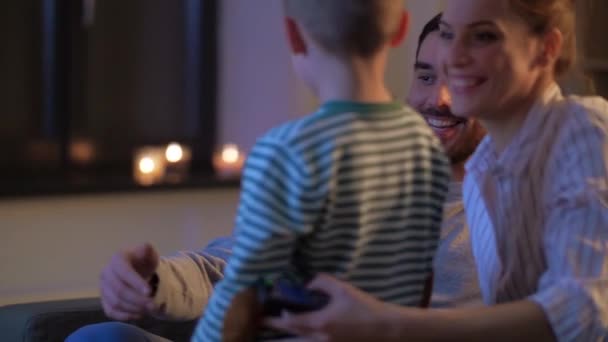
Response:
column 356, row 189
column 367, row 187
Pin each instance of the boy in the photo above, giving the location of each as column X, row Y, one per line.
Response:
column 355, row 189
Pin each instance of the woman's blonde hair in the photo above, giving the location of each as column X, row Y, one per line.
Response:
column 544, row 15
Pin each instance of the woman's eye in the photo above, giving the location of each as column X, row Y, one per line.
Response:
column 486, row 37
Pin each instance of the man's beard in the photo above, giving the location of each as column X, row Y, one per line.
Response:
column 470, row 135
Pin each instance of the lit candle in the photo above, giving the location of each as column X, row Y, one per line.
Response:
column 178, row 162
column 149, row 166
column 228, row 161
column 174, row 153
column 82, row 151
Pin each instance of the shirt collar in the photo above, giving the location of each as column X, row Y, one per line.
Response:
column 518, row 153
column 482, row 158
column 360, row 107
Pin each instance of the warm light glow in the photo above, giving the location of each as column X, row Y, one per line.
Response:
column 82, row 151
column 174, row 153
column 147, row 165
column 230, row 154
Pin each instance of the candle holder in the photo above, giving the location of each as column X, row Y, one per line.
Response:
column 228, row 161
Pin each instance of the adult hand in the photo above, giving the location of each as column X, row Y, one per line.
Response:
column 124, row 284
column 351, row 315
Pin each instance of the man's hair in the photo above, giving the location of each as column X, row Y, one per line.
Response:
column 348, row 27
column 430, row 27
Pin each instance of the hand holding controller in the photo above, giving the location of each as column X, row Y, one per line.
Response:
column 284, row 294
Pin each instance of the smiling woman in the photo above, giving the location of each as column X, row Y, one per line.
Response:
column 87, row 83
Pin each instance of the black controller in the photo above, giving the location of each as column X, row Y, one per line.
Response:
column 288, row 295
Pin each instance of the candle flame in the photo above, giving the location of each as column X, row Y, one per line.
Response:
column 174, row 153
column 147, row 165
column 230, row 154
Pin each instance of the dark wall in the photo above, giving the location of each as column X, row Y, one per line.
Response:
column 19, row 72
column 135, row 71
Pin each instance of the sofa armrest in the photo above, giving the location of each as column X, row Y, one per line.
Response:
column 48, row 321
column 55, row 320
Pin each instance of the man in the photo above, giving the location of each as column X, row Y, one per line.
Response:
column 455, row 282
column 137, row 282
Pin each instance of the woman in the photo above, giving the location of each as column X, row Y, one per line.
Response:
column 536, row 191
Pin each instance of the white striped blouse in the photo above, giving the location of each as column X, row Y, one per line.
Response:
column 355, row 190
column 538, row 215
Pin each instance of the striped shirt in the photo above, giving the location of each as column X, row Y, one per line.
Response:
column 538, row 215
column 355, row 190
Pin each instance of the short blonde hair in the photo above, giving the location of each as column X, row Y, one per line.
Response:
column 348, row 27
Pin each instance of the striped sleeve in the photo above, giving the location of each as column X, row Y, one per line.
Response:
column 275, row 208
column 574, row 290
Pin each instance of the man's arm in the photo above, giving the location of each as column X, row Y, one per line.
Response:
column 186, row 280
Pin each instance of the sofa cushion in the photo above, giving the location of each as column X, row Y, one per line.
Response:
column 48, row 321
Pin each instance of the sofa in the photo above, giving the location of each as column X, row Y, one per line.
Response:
column 54, row 320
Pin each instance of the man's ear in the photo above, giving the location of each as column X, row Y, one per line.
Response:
column 404, row 25
column 551, row 47
column 294, row 37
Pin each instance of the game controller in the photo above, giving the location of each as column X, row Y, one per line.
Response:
column 285, row 294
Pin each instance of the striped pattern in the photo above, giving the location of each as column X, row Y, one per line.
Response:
column 354, row 190
column 538, row 215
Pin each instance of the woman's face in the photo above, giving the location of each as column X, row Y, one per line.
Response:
column 489, row 57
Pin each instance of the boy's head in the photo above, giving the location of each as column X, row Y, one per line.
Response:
column 346, row 28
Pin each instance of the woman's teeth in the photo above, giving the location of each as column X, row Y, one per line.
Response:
column 464, row 82
column 460, row 84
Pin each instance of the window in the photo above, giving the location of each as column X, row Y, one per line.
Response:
column 592, row 20
column 87, row 83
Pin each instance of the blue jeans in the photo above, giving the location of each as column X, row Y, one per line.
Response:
column 113, row 332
